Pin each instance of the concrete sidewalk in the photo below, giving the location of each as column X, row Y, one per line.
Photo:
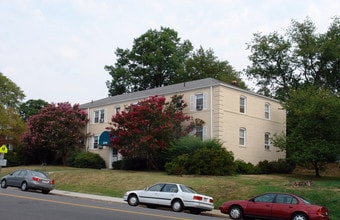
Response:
column 214, row 212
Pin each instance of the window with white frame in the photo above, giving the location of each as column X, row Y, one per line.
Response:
column 243, row 104
column 99, row 116
column 267, row 140
column 198, row 102
column 95, row 142
column 242, row 138
column 201, row 132
column 267, row 111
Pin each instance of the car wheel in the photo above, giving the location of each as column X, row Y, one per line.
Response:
column 133, row 200
column 24, row 186
column 235, row 212
column 3, row 184
column 177, row 205
column 299, row 216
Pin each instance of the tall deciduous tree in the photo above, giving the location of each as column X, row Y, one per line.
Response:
column 31, row 107
column 57, row 129
column 156, row 59
column 160, row 58
column 11, row 126
column 203, row 64
column 314, row 134
column 148, row 127
column 301, row 56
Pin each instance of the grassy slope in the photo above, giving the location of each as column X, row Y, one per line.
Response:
column 324, row 191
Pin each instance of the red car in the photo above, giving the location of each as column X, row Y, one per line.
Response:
column 274, row 206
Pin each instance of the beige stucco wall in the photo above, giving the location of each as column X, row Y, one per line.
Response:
column 223, row 121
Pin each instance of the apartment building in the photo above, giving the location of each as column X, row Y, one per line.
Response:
column 244, row 121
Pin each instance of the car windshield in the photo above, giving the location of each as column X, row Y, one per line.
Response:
column 187, row 189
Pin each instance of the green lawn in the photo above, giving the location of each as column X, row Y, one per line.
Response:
column 324, row 191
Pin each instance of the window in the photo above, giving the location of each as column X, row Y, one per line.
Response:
column 265, row 198
column 242, row 137
column 201, row 132
column 170, row 188
column 95, row 142
column 267, row 111
column 285, row 199
column 117, row 109
column 156, row 188
column 198, row 102
column 243, row 104
column 267, row 140
column 99, row 116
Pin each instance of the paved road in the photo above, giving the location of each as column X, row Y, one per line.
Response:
column 18, row 205
column 214, row 213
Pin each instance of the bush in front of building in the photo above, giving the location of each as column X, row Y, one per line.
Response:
column 89, row 160
column 135, row 163
column 281, row 166
column 210, row 158
column 241, row 167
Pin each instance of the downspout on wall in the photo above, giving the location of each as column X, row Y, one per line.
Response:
column 211, row 112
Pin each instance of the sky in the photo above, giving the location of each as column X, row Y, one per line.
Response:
column 56, row 50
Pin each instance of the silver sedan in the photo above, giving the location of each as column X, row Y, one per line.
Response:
column 174, row 195
column 28, row 179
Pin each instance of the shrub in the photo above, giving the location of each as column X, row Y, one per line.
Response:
column 135, row 163
column 184, row 145
column 89, row 160
column 12, row 159
column 275, row 167
column 242, row 167
column 178, row 166
column 203, row 158
column 215, row 161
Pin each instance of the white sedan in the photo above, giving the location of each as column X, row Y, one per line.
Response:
column 174, row 195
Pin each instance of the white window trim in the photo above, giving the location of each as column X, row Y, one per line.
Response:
column 244, row 137
column 93, row 142
column 244, row 104
column 100, row 119
column 193, row 101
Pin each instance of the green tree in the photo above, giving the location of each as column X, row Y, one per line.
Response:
column 314, row 134
column 156, row 59
column 55, row 131
column 203, row 64
column 148, row 127
column 301, row 56
column 11, row 126
column 10, row 94
column 31, row 107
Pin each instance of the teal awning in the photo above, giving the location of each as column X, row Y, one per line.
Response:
column 104, row 138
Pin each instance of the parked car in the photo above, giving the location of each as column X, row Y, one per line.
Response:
column 28, row 179
column 177, row 196
column 275, row 206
